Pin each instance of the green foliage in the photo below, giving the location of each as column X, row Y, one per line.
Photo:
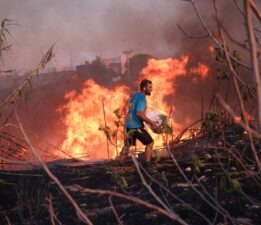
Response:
column 129, row 116
column 224, row 183
column 165, row 125
column 131, row 105
column 235, row 185
column 221, row 58
column 220, row 55
column 222, row 75
column 120, row 180
column 248, row 92
column 229, row 184
column 129, row 133
column 161, row 178
column 196, row 162
column 211, row 121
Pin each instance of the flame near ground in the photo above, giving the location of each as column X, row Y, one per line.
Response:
column 84, row 113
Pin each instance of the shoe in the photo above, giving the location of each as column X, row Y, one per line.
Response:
column 150, row 168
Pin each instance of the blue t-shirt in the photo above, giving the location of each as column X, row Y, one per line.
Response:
column 137, row 104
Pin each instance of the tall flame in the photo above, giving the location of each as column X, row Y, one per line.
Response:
column 84, row 112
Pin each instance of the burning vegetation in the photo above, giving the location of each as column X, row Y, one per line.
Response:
column 63, row 167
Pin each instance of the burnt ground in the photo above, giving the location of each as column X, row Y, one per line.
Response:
column 206, row 162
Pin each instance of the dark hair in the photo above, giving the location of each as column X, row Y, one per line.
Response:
column 144, row 83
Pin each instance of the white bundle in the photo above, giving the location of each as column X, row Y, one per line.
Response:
column 155, row 116
column 161, row 120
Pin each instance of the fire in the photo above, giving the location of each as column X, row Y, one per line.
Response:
column 84, row 117
column 211, row 49
column 201, row 70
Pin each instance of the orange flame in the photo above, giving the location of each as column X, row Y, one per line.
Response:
column 201, row 70
column 84, row 112
column 85, row 117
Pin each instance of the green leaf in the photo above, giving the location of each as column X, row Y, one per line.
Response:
column 236, row 185
column 131, row 106
column 129, row 116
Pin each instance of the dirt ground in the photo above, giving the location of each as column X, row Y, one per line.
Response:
column 219, row 183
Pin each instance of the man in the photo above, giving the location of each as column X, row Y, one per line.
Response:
column 135, row 122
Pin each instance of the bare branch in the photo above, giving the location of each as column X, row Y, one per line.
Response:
column 114, row 211
column 218, row 207
column 190, row 36
column 228, row 108
column 152, row 192
column 255, row 10
column 204, row 25
column 78, row 210
column 254, row 59
column 52, row 212
column 126, row 197
column 234, row 75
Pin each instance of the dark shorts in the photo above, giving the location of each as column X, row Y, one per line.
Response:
column 137, row 133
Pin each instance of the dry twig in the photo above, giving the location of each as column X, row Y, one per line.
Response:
column 78, row 210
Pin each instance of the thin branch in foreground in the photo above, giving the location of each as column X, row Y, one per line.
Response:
column 206, row 28
column 254, row 60
column 216, row 207
column 229, row 110
column 255, row 9
column 187, row 205
column 192, row 36
column 243, row 125
column 53, row 216
column 78, row 210
column 240, row 99
column 16, row 93
column 160, row 210
column 114, row 211
column 180, row 220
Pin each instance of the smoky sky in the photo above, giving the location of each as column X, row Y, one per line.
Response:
column 83, row 29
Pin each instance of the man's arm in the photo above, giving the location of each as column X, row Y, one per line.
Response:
column 144, row 118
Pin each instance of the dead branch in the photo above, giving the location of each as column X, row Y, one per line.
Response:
column 206, row 28
column 78, row 210
column 13, row 98
column 238, row 90
column 255, row 9
column 181, row 221
column 126, row 197
column 249, row 23
column 107, row 138
column 114, row 211
column 243, row 125
column 191, row 36
column 53, row 216
column 217, row 208
column 7, row 219
column 188, row 206
column 229, row 110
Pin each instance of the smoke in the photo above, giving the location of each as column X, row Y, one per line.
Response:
column 83, row 29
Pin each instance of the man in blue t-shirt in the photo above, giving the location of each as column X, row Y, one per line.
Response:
column 134, row 122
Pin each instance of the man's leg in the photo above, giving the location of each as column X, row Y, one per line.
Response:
column 124, row 152
column 148, row 152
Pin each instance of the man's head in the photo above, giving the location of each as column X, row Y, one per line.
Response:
column 146, row 86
